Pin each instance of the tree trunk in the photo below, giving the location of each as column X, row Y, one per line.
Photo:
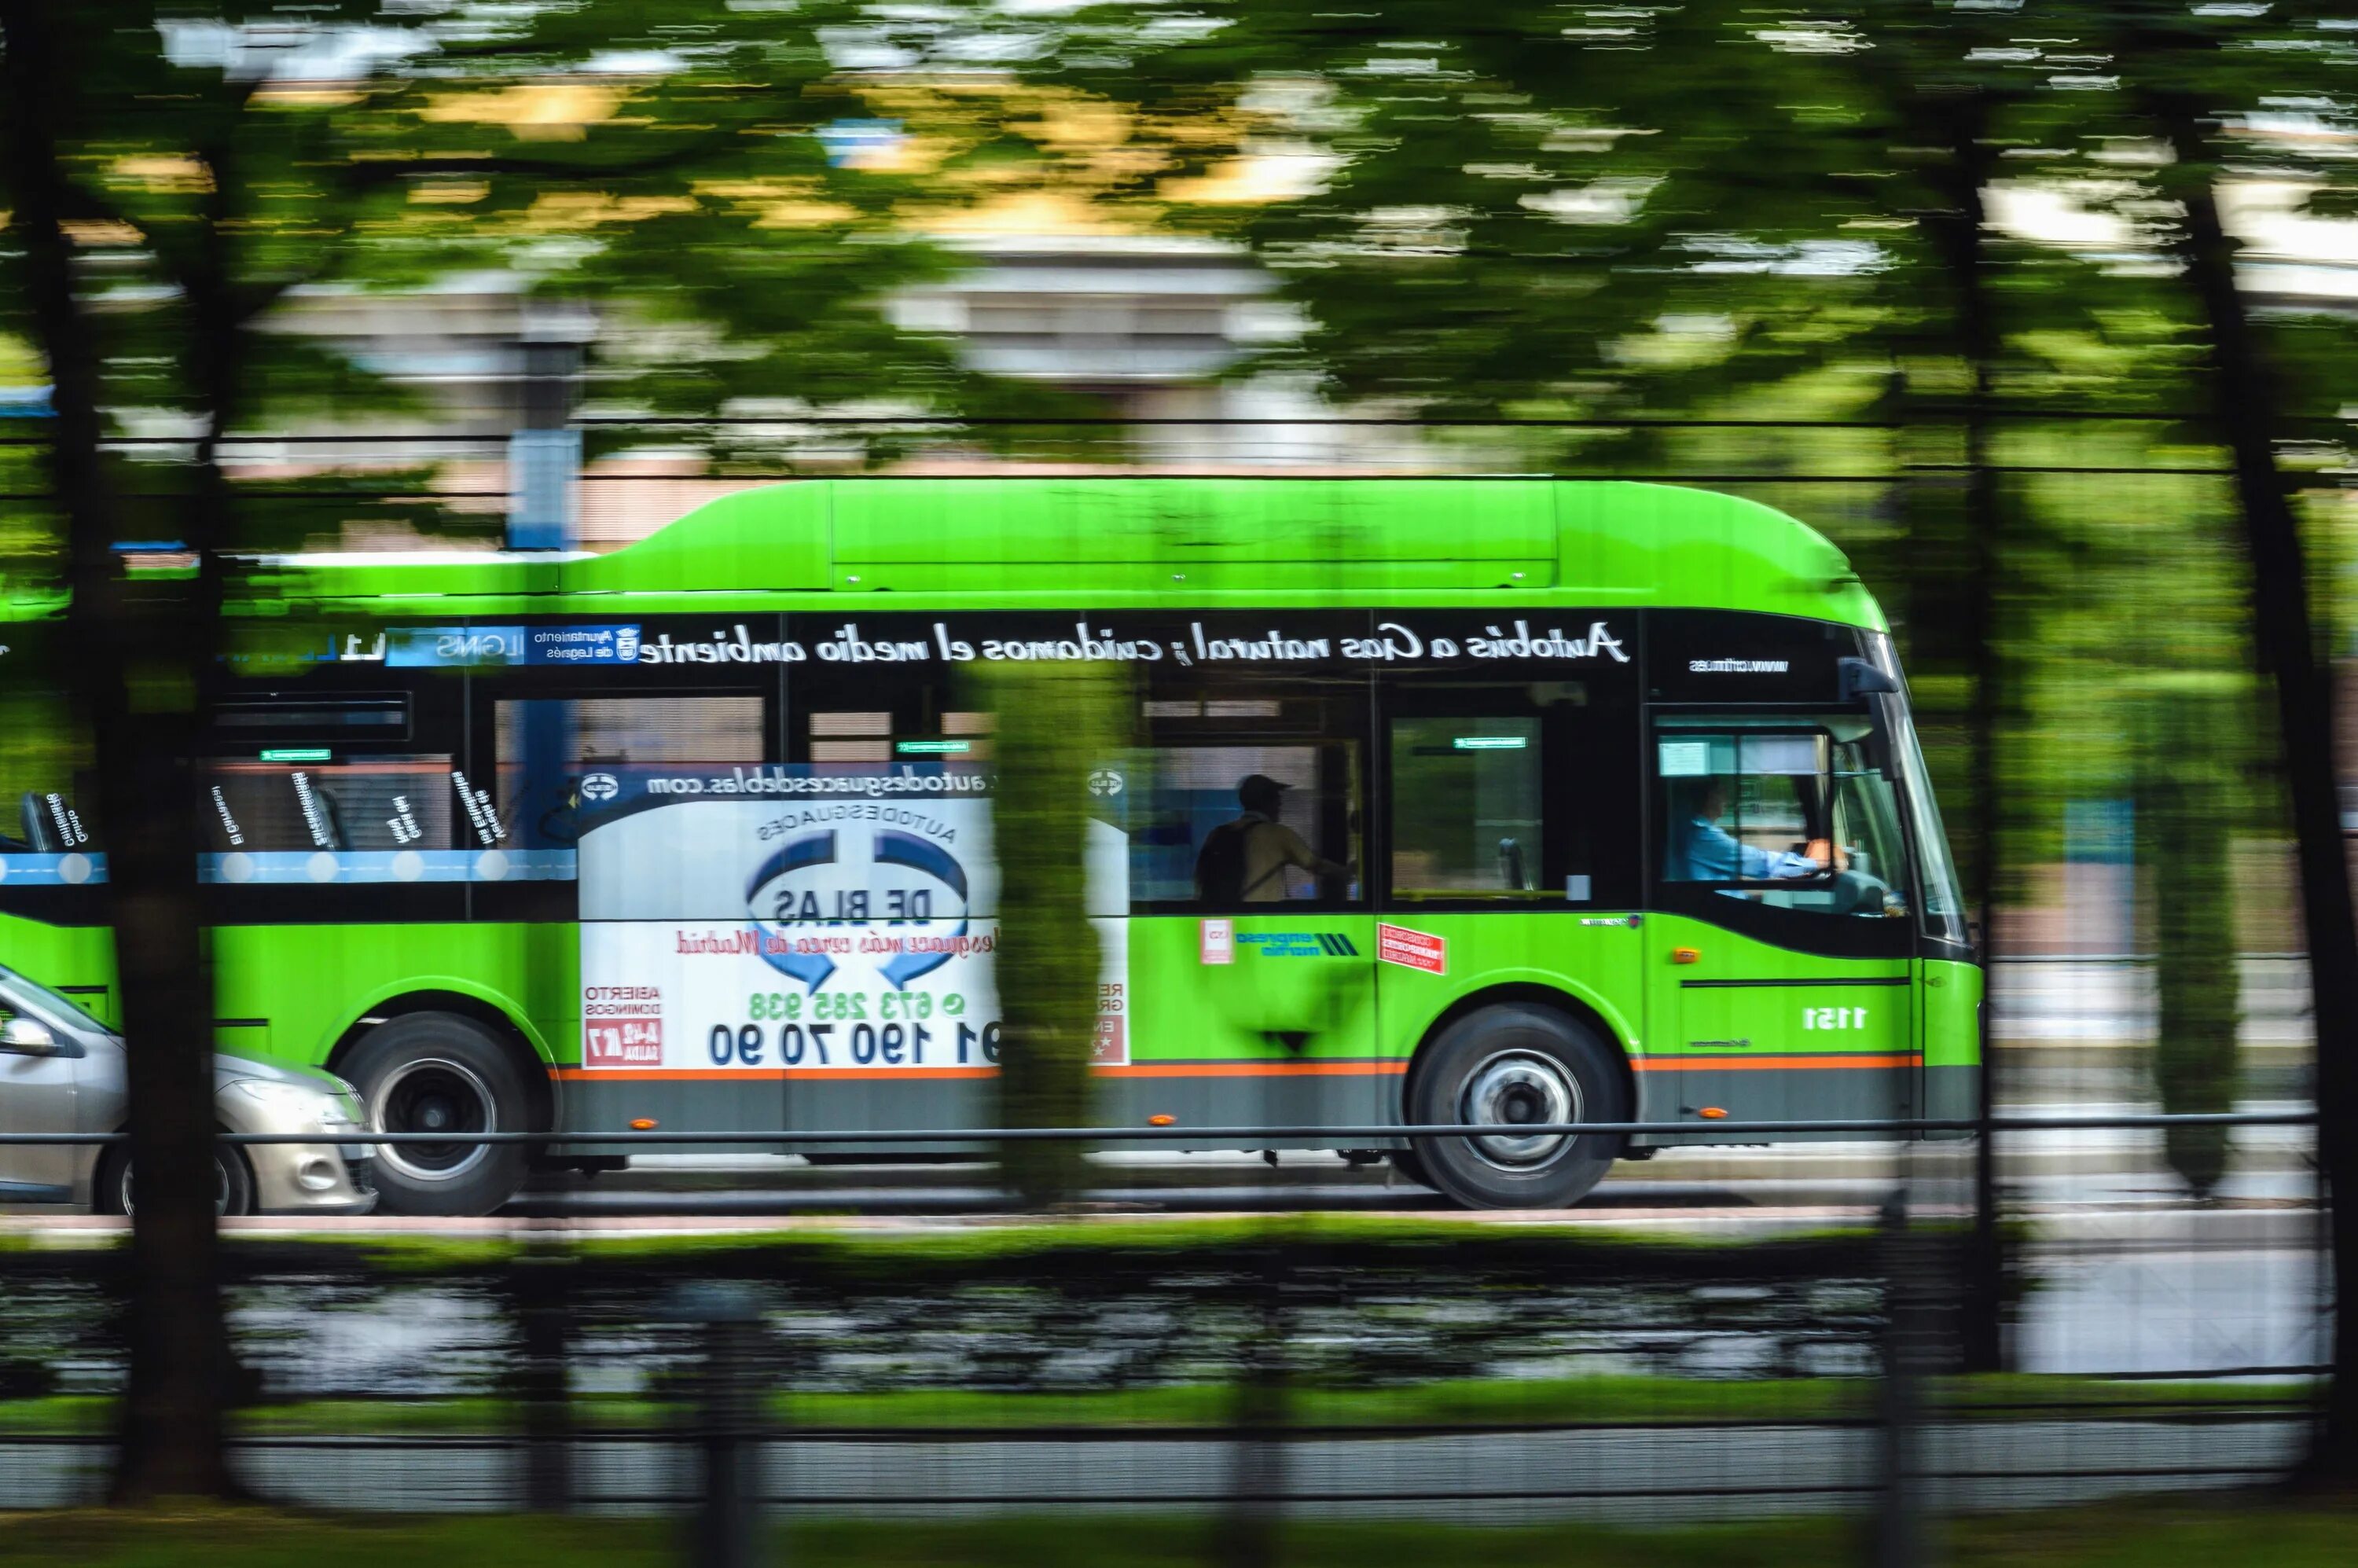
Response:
column 138, row 655
column 2244, row 392
column 1960, row 125
column 2181, row 811
column 1056, row 724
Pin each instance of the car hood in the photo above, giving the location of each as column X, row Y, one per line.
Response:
column 228, row 1070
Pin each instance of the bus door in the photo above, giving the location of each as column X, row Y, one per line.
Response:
column 1780, row 940
column 1250, row 954
column 1509, row 854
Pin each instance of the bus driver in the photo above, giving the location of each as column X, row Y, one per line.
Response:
column 1704, row 852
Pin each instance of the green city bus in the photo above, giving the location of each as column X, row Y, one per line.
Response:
column 1503, row 802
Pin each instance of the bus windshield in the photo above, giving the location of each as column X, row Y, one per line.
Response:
column 1943, row 913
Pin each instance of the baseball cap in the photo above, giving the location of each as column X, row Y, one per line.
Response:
column 1259, row 783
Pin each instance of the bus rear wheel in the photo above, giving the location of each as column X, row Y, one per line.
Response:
column 1510, row 1067
column 439, row 1072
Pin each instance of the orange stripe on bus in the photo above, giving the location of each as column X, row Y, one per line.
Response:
column 1255, row 1070
column 1134, row 1070
column 758, row 1075
column 1756, row 1063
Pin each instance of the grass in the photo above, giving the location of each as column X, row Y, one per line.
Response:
column 824, row 1240
column 1471, row 1401
column 2231, row 1533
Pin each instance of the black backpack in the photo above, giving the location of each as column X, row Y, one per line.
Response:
column 1220, row 866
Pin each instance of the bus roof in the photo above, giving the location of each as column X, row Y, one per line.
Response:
column 1102, row 542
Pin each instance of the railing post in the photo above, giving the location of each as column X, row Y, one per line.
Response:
column 538, row 1288
column 1983, row 1331
column 724, row 1533
column 1258, row 1480
column 1900, row 1538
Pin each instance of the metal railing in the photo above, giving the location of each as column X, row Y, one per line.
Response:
column 1257, row 1137
column 470, row 1380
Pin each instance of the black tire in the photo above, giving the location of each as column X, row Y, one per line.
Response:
column 440, row 1071
column 112, row 1186
column 1508, row 1064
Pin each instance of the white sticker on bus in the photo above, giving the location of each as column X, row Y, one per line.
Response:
column 812, row 935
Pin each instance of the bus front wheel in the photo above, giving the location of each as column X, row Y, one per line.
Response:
column 1512, row 1067
column 439, row 1072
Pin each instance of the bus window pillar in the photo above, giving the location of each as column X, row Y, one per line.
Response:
column 544, row 450
column 544, row 501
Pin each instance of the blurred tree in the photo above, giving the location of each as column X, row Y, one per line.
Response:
column 719, row 182
column 2206, row 79
column 1055, row 723
column 2143, row 696
column 1531, row 213
column 138, row 653
column 2185, row 767
column 175, row 172
column 1567, row 212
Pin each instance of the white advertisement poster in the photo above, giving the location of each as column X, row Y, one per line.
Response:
column 812, row 918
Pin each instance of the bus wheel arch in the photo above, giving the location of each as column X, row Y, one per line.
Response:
column 1533, row 995
column 538, row 1083
column 434, row 1062
column 1543, row 1055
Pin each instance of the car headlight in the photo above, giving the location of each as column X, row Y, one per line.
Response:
column 292, row 1106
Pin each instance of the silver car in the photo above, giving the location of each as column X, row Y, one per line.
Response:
column 63, row 1071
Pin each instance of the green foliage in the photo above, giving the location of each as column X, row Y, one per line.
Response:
column 1211, row 1403
column 668, row 164
column 1578, row 216
column 2239, row 1532
column 1556, row 211
column 1055, row 723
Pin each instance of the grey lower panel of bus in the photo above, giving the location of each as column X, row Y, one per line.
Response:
column 1190, row 1099
column 1953, row 1093
column 1747, row 1092
column 1342, row 1097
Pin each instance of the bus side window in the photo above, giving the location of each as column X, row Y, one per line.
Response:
column 548, row 745
column 1505, row 793
column 48, row 825
column 47, row 842
column 1465, row 798
column 1245, row 795
column 258, row 809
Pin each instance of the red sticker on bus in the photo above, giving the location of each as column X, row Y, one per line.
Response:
column 625, row 1042
column 1413, row 949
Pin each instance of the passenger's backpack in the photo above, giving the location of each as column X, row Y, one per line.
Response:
column 1220, row 866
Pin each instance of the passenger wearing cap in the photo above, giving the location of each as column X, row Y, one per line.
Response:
column 1244, row 861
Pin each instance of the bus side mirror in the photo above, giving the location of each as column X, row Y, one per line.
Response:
column 1855, row 678
column 1861, row 681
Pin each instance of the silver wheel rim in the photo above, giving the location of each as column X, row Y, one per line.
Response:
column 220, row 1184
column 433, row 1094
column 1511, row 1088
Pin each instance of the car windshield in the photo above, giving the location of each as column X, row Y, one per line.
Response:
column 13, row 986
